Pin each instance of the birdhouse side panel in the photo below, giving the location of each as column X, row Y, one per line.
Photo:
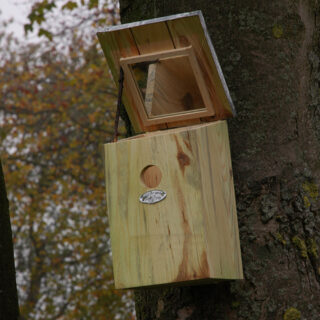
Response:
column 220, row 214
column 115, row 171
column 115, row 45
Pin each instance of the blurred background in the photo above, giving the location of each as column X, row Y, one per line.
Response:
column 57, row 105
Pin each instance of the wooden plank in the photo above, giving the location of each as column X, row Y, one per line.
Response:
column 160, row 35
column 116, row 45
column 149, row 39
column 152, row 38
column 156, row 56
column 180, row 91
column 184, row 123
column 161, row 77
column 175, row 88
column 192, row 235
column 178, row 116
column 189, row 31
column 159, row 39
column 135, row 93
column 200, row 81
column 224, row 251
column 208, row 119
column 150, row 87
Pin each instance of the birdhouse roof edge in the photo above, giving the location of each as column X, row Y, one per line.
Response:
column 150, row 21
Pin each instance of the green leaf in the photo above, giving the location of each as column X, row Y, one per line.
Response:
column 3, row 134
column 28, row 27
column 70, row 5
column 93, row 4
column 46, row 33
column 39, row 10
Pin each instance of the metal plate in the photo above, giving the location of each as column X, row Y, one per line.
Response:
column 152, row 196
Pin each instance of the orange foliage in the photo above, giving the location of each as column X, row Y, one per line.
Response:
column 56, row 110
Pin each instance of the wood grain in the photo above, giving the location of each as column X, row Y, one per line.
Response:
column 116, row 45
column 154, row 38
column 150, row 88
column 179, row 91
column 156, row 55
column 185, row 123
column 192, row 235
column 151, row 40
column 189, row 31
column 176, row 89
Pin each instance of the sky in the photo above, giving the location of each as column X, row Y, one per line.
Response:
column 18, row 10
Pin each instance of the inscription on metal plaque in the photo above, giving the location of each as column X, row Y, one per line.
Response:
column 152, row 196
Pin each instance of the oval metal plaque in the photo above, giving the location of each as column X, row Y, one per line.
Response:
column 152, row 196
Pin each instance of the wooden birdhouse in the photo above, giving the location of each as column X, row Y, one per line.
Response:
column 170, row 192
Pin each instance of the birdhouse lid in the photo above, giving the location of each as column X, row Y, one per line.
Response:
column 172, row 76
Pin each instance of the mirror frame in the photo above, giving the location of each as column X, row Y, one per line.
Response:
column 208, row 108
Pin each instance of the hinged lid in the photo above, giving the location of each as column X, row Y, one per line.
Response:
column 172, row 76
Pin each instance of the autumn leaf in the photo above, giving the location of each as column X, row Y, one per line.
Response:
column 57, row 108
column 46, row 33
column 70, row 5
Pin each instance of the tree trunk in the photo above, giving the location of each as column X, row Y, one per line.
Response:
column 9, row 309
column 269, row 52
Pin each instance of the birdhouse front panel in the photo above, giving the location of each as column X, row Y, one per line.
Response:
column 172, row 208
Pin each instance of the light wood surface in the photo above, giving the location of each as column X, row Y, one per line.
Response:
column 149, row 42
column 116, row 45
column 161, row 36
column 178, row 89
column 156, row 55
column 192, row 235
column 150, row 88
column 157, row 40
column 186, row 32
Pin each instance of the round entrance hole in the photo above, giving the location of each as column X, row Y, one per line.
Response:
column 151, row 176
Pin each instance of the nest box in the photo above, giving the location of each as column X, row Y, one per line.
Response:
column 170, row 192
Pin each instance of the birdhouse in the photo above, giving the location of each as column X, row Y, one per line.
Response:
column 170, row 192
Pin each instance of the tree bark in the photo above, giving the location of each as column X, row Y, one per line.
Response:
column 269, row 52
column 9, row 309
